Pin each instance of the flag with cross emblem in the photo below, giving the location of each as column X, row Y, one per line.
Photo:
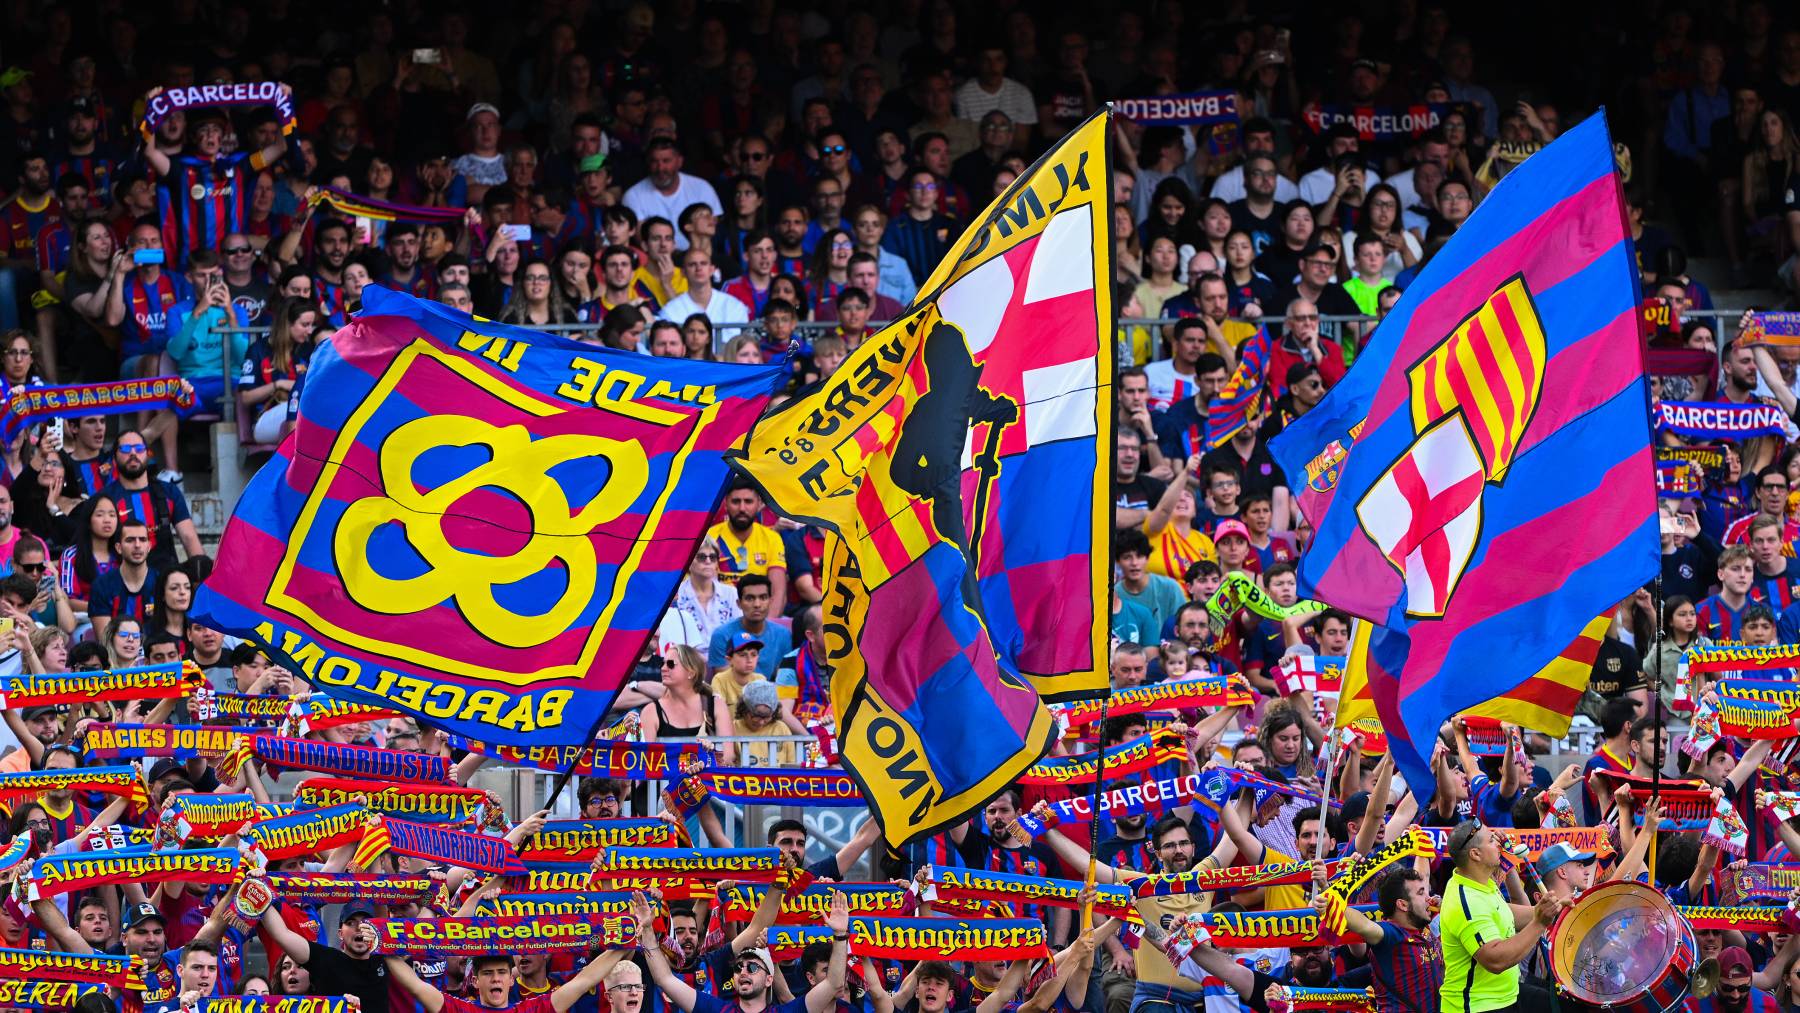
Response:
column 1482, row 483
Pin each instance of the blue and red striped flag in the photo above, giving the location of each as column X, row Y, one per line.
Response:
column 1240, row 400
column 1482, row 483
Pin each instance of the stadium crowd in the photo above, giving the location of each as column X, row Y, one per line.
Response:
column 740, row 182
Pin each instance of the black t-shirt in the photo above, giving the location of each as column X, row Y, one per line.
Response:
column 1333, row 301
column 1259, row 475
column 253, row 298
column 1616, row 669
column 1140, row 493
column 1262, row 230
column 335, row 972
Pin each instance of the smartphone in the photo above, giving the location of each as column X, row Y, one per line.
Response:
column 517, row 233
column 427, row 56
column 1670, row 524
column 146, row 256
column 45, row 583
column 365, row 230
column 55, row 428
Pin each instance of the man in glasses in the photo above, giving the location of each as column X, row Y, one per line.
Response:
column 975, row 171
column 156, row 502
column 750, row 968
column 921, row 235
column 1771, row 501
column 601, row 798
column 32, row 591
column 250, row 290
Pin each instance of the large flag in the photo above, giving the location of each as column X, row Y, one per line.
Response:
column 961, row 459
column 1239, row 401
column 476, row 524
column 1486, row 485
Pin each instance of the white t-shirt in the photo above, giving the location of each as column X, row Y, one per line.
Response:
column 645, row 200
column 1315, row 186
column 720, row 309
column 1392, row 267
column 1230, row 186
column 1166, row 385
column 1014, row 99
column 487, row 170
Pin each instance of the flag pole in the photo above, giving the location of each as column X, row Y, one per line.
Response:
column 1656, row 746
column 1325, row 789
column 1093, row 869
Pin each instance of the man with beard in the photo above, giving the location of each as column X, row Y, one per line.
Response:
column 493, row 978
column 1129, row 846
column 353, row 968
column 156, row 502
column 128, row 590
column 331, row 254
column 999, row 849
column 748, row 547
column 1407, row 962
column 1736, row 991
column 1771, row 502
column 753, row 970
column 405, row 273
column 165, row 977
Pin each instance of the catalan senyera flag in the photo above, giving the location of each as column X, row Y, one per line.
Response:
column 960, row 460
column 476, row 524
column 1482, row 483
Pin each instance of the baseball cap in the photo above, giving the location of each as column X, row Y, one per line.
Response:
column 13, row 75
column 1267, row 58
column 84, row 105
column 1227, row 528
column 1355, row 807
column 762, row 693
column 164, row 768
column 33, row 713
column 482, row 107
column 744, row 639
column 358, row 909
column 592, row 163
column 1734, row 962
column 141, row 913
column 1560, row 854
column 1364, row 63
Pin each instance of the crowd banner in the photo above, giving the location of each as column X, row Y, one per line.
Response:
column 27, row 405
column 304, row 833
column 425, row 803
column 1739, row 658
column 1775, row 329
column 145, row 682
column 1123, row 759
column 313, row 712
column 627, row 761
column 120, row 781
column 1152, row 796
column 748, row 865
column 537, row 905
column 1176, row 694
column 218, row 815
column 262, row 710
column 1190, row 109
column 540, row 498
column 1744, row 919
column 475, row 937
column 59, row 874
column 279, row 1004
column 1537, row 841
column 566, row 877
column 779, row 786
column 1007, row 350
column 119, row 972
column 1720, row 421
column 1761, row 881
column 1264, row 929
column 359, row 206
column 162, row 103
column 1498, row 421
column 739, row 901
column 1376, row 123
column 439, row 844
column 583, row 840
column 951, row 883
column 18, row 993
column 350, row 760
column 947, row 938
column 343, row 887
column 105, row 741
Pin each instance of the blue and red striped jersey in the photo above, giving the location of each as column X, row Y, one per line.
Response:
column 203, row 200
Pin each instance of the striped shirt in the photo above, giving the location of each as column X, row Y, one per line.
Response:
column 202, row 200
column 1720, row 621
column 1409, row 970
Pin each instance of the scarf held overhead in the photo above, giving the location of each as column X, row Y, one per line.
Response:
column 352, row 761
column 572, row 840
column 474, row 937
column 62, row 873
column 1719, row 421
column 739, row 901
column 165, row 102
column 1176, row 694
column 26, row 405
column 628, row 761
column 147, row 682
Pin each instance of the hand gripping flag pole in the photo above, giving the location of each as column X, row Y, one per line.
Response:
column 1093, row 872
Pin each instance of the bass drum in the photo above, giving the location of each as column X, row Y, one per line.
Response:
column 1623, row 946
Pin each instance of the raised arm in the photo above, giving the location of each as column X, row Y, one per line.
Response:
column 679, row 992
column 588, row 978
column 757, row 929
column 853, row 849
column 1377, row 810
column 285, row 939
column 1008, row 987
column 823, row 996
column 58, row 928
column 401, row 973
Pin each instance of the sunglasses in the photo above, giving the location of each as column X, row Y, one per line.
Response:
column 233, row 251
column 132, row 448
column 756, row 156
column 32, row 567
column 668, row 662
column 833, row 149
column 127, row 635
